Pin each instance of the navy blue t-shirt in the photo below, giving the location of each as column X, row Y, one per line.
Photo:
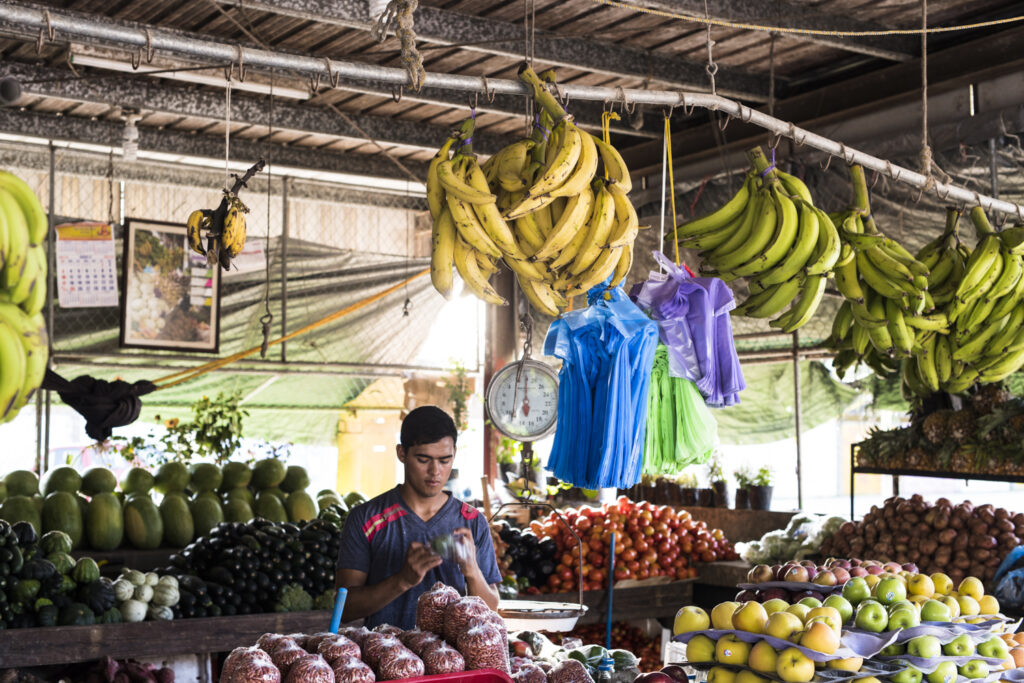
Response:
column 377, row 535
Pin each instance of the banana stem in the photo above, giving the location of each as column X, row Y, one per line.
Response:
column 466, row 133
column 981, row 225
column 952, row 220
column 761, row 164
column 541, row 96
column 861, row 198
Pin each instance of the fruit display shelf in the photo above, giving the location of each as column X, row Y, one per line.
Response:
column 67, row 644
column 655, row 598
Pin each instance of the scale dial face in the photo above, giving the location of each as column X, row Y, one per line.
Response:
column 527, row 409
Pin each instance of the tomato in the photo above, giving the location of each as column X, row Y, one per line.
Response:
column 718, row 534
column 621, row 573
column 664, row 548
column 665, row 561
column 553, row 581
column 707, row 556
column 633, row 565
column 567, row 559
column 643, row 574
column 596, row 544
column 624, row 541
column 596, row 575
column 565, row 574
column 650, row 557
column 628, row 555
column 641, row 545
column 582, row 524
column 596, row 559
column 648, row 531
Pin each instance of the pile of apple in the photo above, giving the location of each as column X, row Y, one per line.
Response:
column 825, row 577
column 651, row 540
column 961, row 540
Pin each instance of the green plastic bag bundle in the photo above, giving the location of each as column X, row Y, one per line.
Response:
column 681, row 430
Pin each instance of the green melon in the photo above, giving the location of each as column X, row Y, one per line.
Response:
column 269, row 506
column 278, row 493
column 83, row 505
column 354, row 498
column 268, row 473
column 328, row 500
column 104, row 522
column 62, row 513
column 295, row 479
column 300, row 507
column 143, row 525
column 62, row 479
column 24, row 483
column 3, row 491
column 241, row 493
column 172, row 476
column 98, row 480
column 205, row 476
column 237, row 510
column 326, row 492
column 212, row 495
column 38, row 502
column 137, row 480
column 179, row 529
column 206, row 514
column 234, row 475
column 22, row 509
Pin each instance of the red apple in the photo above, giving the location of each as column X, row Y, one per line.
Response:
column 778, row 571
column 825, row 578
column 893, row 567
column 855, row 562
column 746, row 596
column 858, row 571
column 811, row 573
column 808, row 563
column 875, row 569
column 797, row 574
column 760, row 574
column 842, row 575
column 772, row 593
column 910, row 567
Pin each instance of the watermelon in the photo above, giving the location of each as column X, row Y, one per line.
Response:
column 234, row 475
column 205, row 476
column 22, row 509
column 143, row 525
column 206, row 514
column 268, row 506
column 295, row 479
column 65, row 479
column 278, row 493
column 172, row 476
column 237, row 510
column 179, row 529
column 25, row 483
column 240, row 493
column 98, row 480
column 104, row 522
column 137, row 480
column 300, row 507
column 268, row 473
column 61, row 512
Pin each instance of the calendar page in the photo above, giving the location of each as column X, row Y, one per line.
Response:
column 86, row 265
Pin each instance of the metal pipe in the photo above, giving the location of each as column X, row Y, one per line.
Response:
column 284, row 266
column 36, row 19
column 165, row 363
column 51, row 265
column 796, row 421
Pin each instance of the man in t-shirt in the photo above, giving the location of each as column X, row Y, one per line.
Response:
column 385, row 560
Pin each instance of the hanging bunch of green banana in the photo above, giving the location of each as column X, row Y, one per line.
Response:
column 539, row 205
column 770, row 233
column 222, row 228
column 24, row 347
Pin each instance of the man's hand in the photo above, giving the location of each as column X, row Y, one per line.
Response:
column 467, row 553
column 419, row 560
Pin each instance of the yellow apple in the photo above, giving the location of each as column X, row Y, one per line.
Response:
column 872, row 580
column 971, row 586
column 751, row 618
column 954, row 606
column 690, row 618
column 918, row 600
column 721, row 615
column 830, row 614
column 745, row 676
column 989, row 605
column 719, row 674
column 867, row 679
column 969, row 607
column 793, row 666
column 775, row 605
column 943, row 584
column 820, row 636
column 921, row 584
column 700, row 649
column 784, row 625
column 800, row 611
column 731, row 650
column 762, row 657
column 846, row 664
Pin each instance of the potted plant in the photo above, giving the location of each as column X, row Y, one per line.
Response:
column 761, row 490
column 719, row 486
column 743, row 479
column 687, row 482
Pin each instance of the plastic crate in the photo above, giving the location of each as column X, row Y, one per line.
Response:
column 477, row 676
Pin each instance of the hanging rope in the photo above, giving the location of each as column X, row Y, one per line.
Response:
column 192, row 373
column 227, row 131
column 671, row 184
column 664, row 182
column 397, row 17
column 771, row 76
column 926, row 150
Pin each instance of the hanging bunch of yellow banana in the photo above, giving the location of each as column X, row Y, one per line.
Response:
column 223, row 228
column 771, row 233
column 538, row 205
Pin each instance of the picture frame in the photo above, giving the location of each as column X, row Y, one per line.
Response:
column 170, row 295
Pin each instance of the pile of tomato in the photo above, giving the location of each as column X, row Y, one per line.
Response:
column 650, row 540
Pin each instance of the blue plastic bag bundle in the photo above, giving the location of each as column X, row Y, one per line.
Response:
column 1009, row 579
column 607, row 350
column 680, row 428
column 694, row 323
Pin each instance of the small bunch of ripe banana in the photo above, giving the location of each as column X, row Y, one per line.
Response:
column 770, row 233
column 23, row 342
column 223, row 228
column 538, row 205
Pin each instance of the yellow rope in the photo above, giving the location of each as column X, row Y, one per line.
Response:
column 192, row 373
column 806, row 31
column 671, row 184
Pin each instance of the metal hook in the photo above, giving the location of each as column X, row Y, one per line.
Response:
column 135, row 58
column 774, row 139
column 473, row 101
column 875, row 176
column 488, row 92
column 828, row 162
column 726, row 118
column 332, row 77
column 921, row 193
column 51, row 32
column 314, row 83
column 39, row 41
column 149, row 46
column 396, row 94
column 241, row 65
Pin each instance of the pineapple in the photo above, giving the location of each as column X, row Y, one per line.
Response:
column 962, row 425
column 915, row 458
column 935, row 427
column 962, row 460
column 990, row 397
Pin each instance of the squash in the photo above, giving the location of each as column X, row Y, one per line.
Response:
column 160, row 613
column 165, row 595
column 168, row 581
column 152, row 578
column 86, row 571
column 123, row 589
column 136, row 577
column 143, row 593
column 133, row 610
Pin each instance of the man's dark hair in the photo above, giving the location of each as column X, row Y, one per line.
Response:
column 427, row 424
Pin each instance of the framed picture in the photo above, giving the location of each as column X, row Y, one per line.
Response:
column 171, row 296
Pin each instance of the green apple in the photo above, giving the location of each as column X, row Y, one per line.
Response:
column 961, row 646
column 841, row 605
column 731, row 650
column 700, row 649
column 775, row 605
column 856, row 590
column 906, row 617
column 793, row 666
column 762, row 657
column 811, row 602
column 924, row 646
column 908, row 675
column 899, row 605
column 945, row 672
column 890, row 590
column 935, row 610
column 871, row 617
column 800, row 611
column 894, row 650
column 993, row 647
column 690, row 618
column 976, row 668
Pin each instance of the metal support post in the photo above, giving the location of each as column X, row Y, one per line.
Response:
column 284, row 264
column 51, row 268
column 796, row 420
